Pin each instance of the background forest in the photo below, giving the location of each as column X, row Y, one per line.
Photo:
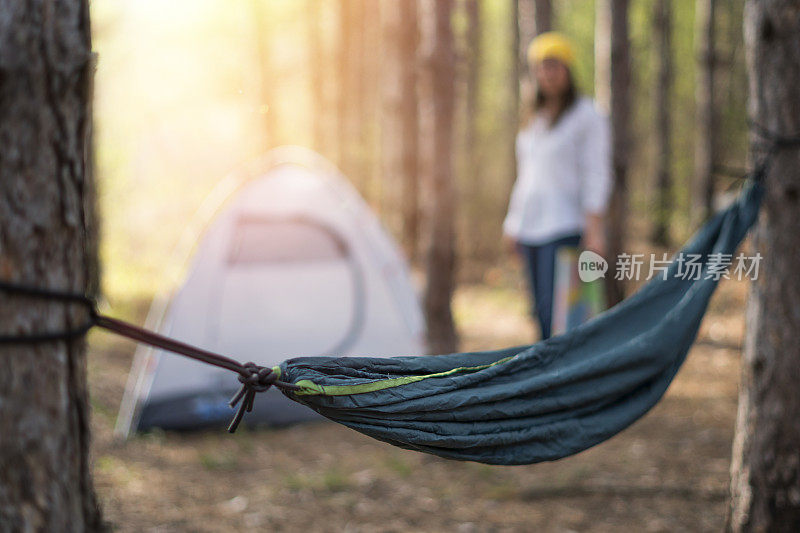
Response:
column 190, row 89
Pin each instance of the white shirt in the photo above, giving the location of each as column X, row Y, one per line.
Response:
column 563, row 173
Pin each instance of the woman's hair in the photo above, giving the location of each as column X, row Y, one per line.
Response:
column 538, row 99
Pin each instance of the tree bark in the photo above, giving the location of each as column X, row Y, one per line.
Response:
column 542, row 16
column 344, row 111
column 46, row 217
column 400, row 115
column 472, row 61
column 535, row 17
column 765, row 480
column 370, row 48
column 409, row 133
column 515, row 90
column 471, row 160
column 352, row 107
column 267, row 76
column 440, row 261
column 612, row 92
column 706, row 120
column 316, row 76
column 662, row 30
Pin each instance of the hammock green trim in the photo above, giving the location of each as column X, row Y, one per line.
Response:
column 309, row 387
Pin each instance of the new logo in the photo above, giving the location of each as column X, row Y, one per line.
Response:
column 591, row 266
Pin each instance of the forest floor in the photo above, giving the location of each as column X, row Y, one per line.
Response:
column 667, row 472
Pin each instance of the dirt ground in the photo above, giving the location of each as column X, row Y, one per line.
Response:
column 668, row 472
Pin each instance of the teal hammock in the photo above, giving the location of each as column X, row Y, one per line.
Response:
column 530, row 403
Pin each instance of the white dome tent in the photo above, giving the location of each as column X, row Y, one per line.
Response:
column 292, row 262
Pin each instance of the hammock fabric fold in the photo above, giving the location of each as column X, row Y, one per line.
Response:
column 531, row 403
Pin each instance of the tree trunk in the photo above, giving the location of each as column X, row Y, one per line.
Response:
column 46, row 213
column 352, row 106
column 370, row 50
column 344, row 110
column 400, row 130
column 515, row 90
column 409, row 127
column 765, row 481
column 472, row 58
column 316, row 76
column 542, row 16
column 612, row 92
column 706, row 122
column 535, row 17
column 662, row 30
column 440, row 265
column 267, row 76
column 471, row 153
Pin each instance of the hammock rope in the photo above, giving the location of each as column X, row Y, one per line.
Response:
column 515, row 406
column 253, row 378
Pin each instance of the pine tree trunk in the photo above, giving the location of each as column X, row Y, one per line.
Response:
column 440, row 263
column 662, row 30
column 316, row 76
column 400, row 122
column 542, row 16
column 704, row 154
column 612, row 92
column 352, row 107
column 344, row 112
column 267, row 75
column 471, row 160
column 409, row 127
column 515, row 91
column 765, row 478
column 535, row 17
column 46, row 240
column 472, row 58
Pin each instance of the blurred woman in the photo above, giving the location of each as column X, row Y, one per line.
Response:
column 563, row 172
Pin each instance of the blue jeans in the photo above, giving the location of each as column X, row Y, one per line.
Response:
column 540, row 260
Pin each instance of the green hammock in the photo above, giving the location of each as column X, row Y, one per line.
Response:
column 530, row 403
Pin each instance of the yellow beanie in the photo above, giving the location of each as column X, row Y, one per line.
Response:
column 551, row 45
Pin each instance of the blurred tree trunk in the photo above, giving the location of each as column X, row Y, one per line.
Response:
column 472, row 58
column 471, row 161
column 542, row 15
column 526, row 28
column 514, row 97
column 370, row 49
column 706, row 121
column 46, row 240
column 400, row 115
column 765, row 482
column 535, row 17
column 352, row 105
column 316, row 75
column 267, row 75
column 344, row 107
column 612, row 91
column 409, row 126
column 440, row 260
column 662, row 30
column 526, row 13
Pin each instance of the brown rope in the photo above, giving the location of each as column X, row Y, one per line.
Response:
column 253, row 377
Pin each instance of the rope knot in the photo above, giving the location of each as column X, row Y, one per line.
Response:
column 254, row 378
column 259, row 378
